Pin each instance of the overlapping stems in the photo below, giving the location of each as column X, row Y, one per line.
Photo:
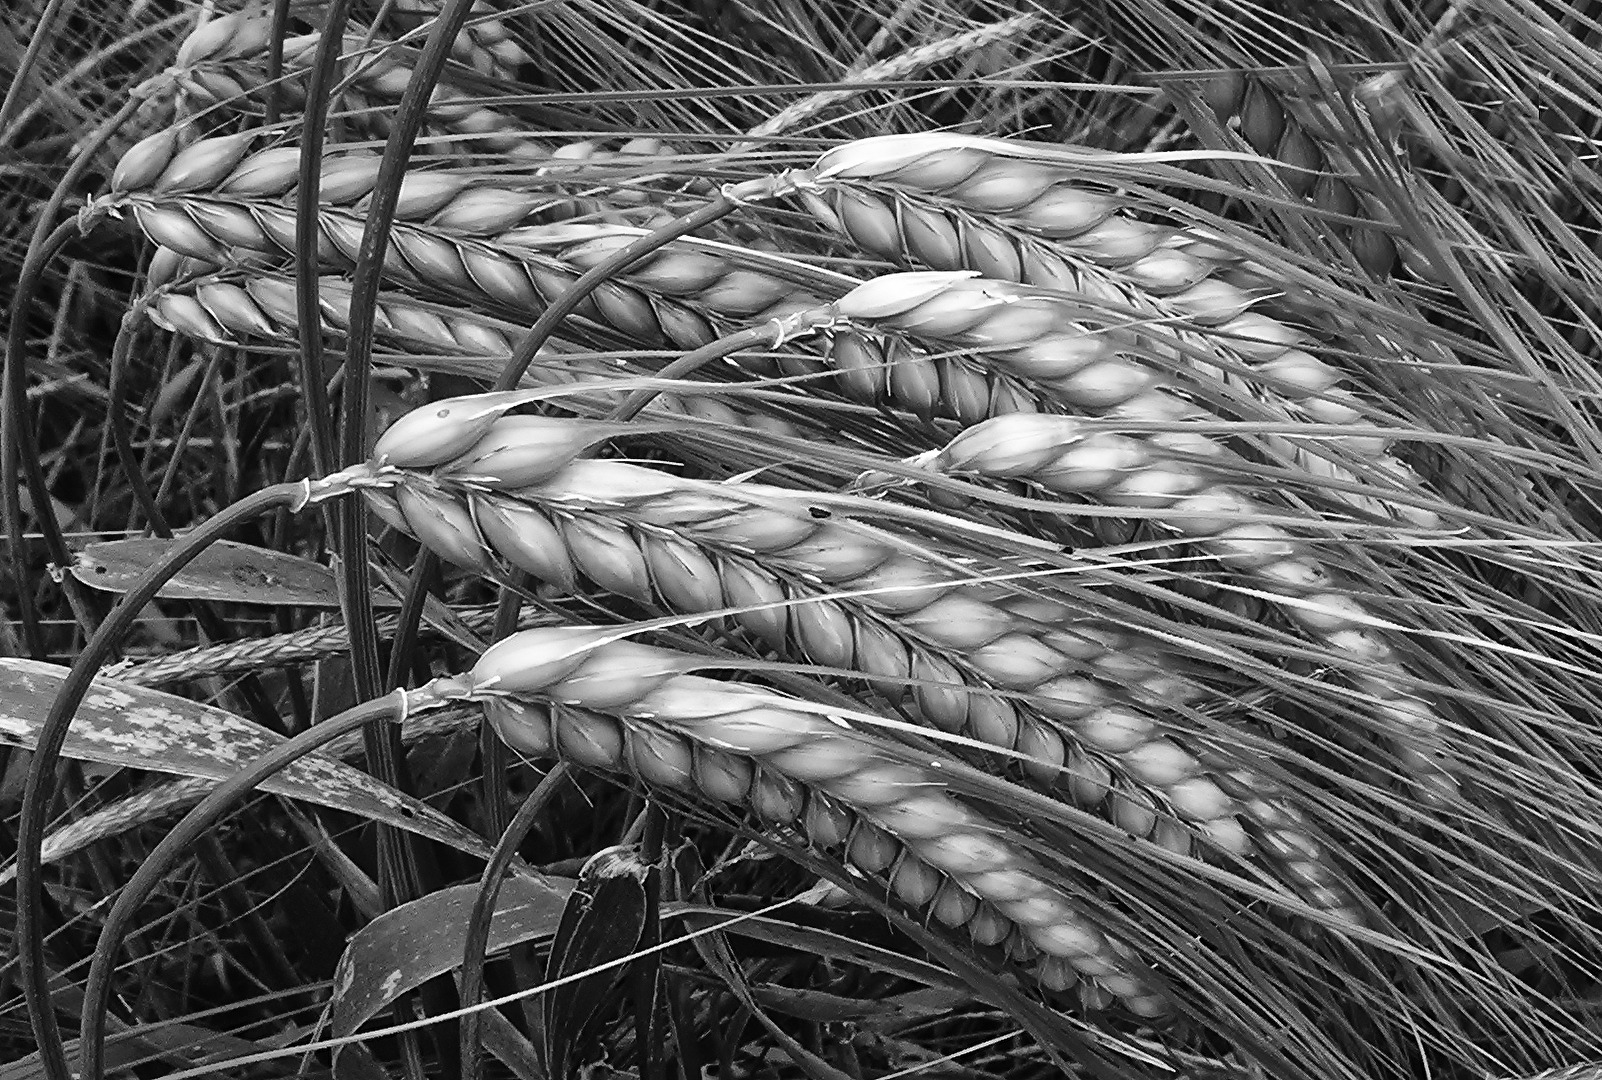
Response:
column 223, row 63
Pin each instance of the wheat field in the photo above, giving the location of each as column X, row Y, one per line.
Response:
column 805, row 539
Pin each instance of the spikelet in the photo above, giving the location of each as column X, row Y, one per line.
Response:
column 263, row 310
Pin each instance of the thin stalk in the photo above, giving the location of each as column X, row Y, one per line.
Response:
column 19, row 446
column 356, row 599
column 551, row 318
column 40, row 783
column 117, row 421
column 424, row 570
column 491, row 751
column 275, row 62
column 45, row 32
column 489, row 889
column 646, row 971
column 16, row 426
column 308, row 224
column 770, row 334
column 356, row 594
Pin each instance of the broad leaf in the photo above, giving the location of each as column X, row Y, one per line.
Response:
column 139, row 728
column 404, row 948
column 226, row 572
column 603, row 922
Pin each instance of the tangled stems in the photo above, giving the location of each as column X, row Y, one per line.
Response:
column 773, row 334
column 216, row 805
column 16, row 431
column 40, row 782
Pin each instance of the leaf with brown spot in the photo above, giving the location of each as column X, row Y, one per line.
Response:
column 226, row 572
column 139, row 728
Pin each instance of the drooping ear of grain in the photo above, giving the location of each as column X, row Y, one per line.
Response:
column 1101, row 369
column 633, row 708
column 1054, row 453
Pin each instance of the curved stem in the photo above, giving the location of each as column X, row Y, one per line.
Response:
column 356, row 598
column 692, row 362
column 489, row 888
column 121, row 435
column 647, row 970
column 356, row 592
column 595, row 276
column 17, row 444
column 40, row 782
column 496, row 759
column 44, row 32
column 275, row 61
column 195, row 824
column 16, row 427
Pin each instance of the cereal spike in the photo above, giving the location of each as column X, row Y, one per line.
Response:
column 948, row 646
column 1042, row 335
column 796, row 752
column 400, row 319
column 1208, row 512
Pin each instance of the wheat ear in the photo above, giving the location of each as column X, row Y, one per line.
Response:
column 621, row 706
column 1057, row 454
